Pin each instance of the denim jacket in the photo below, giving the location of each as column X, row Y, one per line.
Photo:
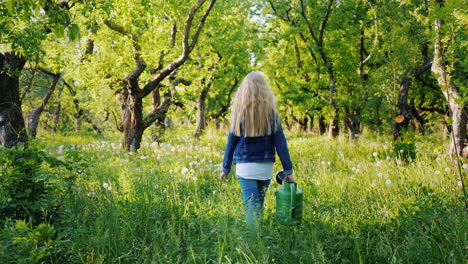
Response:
column 241, row 149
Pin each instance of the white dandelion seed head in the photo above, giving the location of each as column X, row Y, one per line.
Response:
column 465, row 166
column 447, row 169
column 380, row 175
column 388, row 183
column 375, row 154
column 437, row 172
column 105, row 185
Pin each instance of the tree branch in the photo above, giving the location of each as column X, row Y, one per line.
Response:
column 325, row 20
column 154, row 81
column 140, row 63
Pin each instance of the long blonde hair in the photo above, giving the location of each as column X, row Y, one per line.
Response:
column 253, row 108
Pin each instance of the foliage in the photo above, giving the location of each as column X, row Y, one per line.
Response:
column 33, row 183
column 24, row 25
column 24, row 243
column 405, row 146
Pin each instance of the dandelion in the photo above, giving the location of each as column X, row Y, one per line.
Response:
column 105, row 185
column 379, row 175
column 375, row 154
column 437, row 172
column 401, row 150
column 353, row 168
column 387, row 157
column 447, row 169
column 465, row 166
column 388, row 183
column 318, row 154
column 109, row 188
column 329, row 163
column 323, row 163
column 172, row 149
column 184, row 170
column 358, row 170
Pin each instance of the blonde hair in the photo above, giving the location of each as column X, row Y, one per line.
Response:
column 253, row 108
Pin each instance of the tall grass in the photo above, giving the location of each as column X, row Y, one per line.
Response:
column 165, row 204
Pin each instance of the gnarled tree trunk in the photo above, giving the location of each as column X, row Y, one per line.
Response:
column 12, row 128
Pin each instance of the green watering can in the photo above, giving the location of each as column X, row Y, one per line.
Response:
column 289, row 204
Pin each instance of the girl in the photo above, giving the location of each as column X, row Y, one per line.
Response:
column 255, row 133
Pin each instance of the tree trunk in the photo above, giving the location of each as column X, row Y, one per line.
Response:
column 12, row 128
column 322, row 125
column 354, row 127
column 35, row 114
column 451, row 94
column 403, row 117
column 333, row 126
column 201, row 113
column 418, row 119
column 56, row 115
column 131, row 112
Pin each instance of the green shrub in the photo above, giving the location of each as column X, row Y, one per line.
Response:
column 32, row 183
column 23, row 243
column 405, row 147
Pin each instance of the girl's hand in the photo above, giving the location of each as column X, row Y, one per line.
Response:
column 289, row 177
column 223, row 177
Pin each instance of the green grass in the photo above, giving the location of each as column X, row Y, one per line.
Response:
column 165, row 204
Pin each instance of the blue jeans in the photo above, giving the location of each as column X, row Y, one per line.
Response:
column 254, row 196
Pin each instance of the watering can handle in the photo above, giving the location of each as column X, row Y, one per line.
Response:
column 292, row 189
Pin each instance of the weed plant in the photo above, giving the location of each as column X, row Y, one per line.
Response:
column 165, row 204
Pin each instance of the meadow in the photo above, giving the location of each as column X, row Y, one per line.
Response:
column 165, row 204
